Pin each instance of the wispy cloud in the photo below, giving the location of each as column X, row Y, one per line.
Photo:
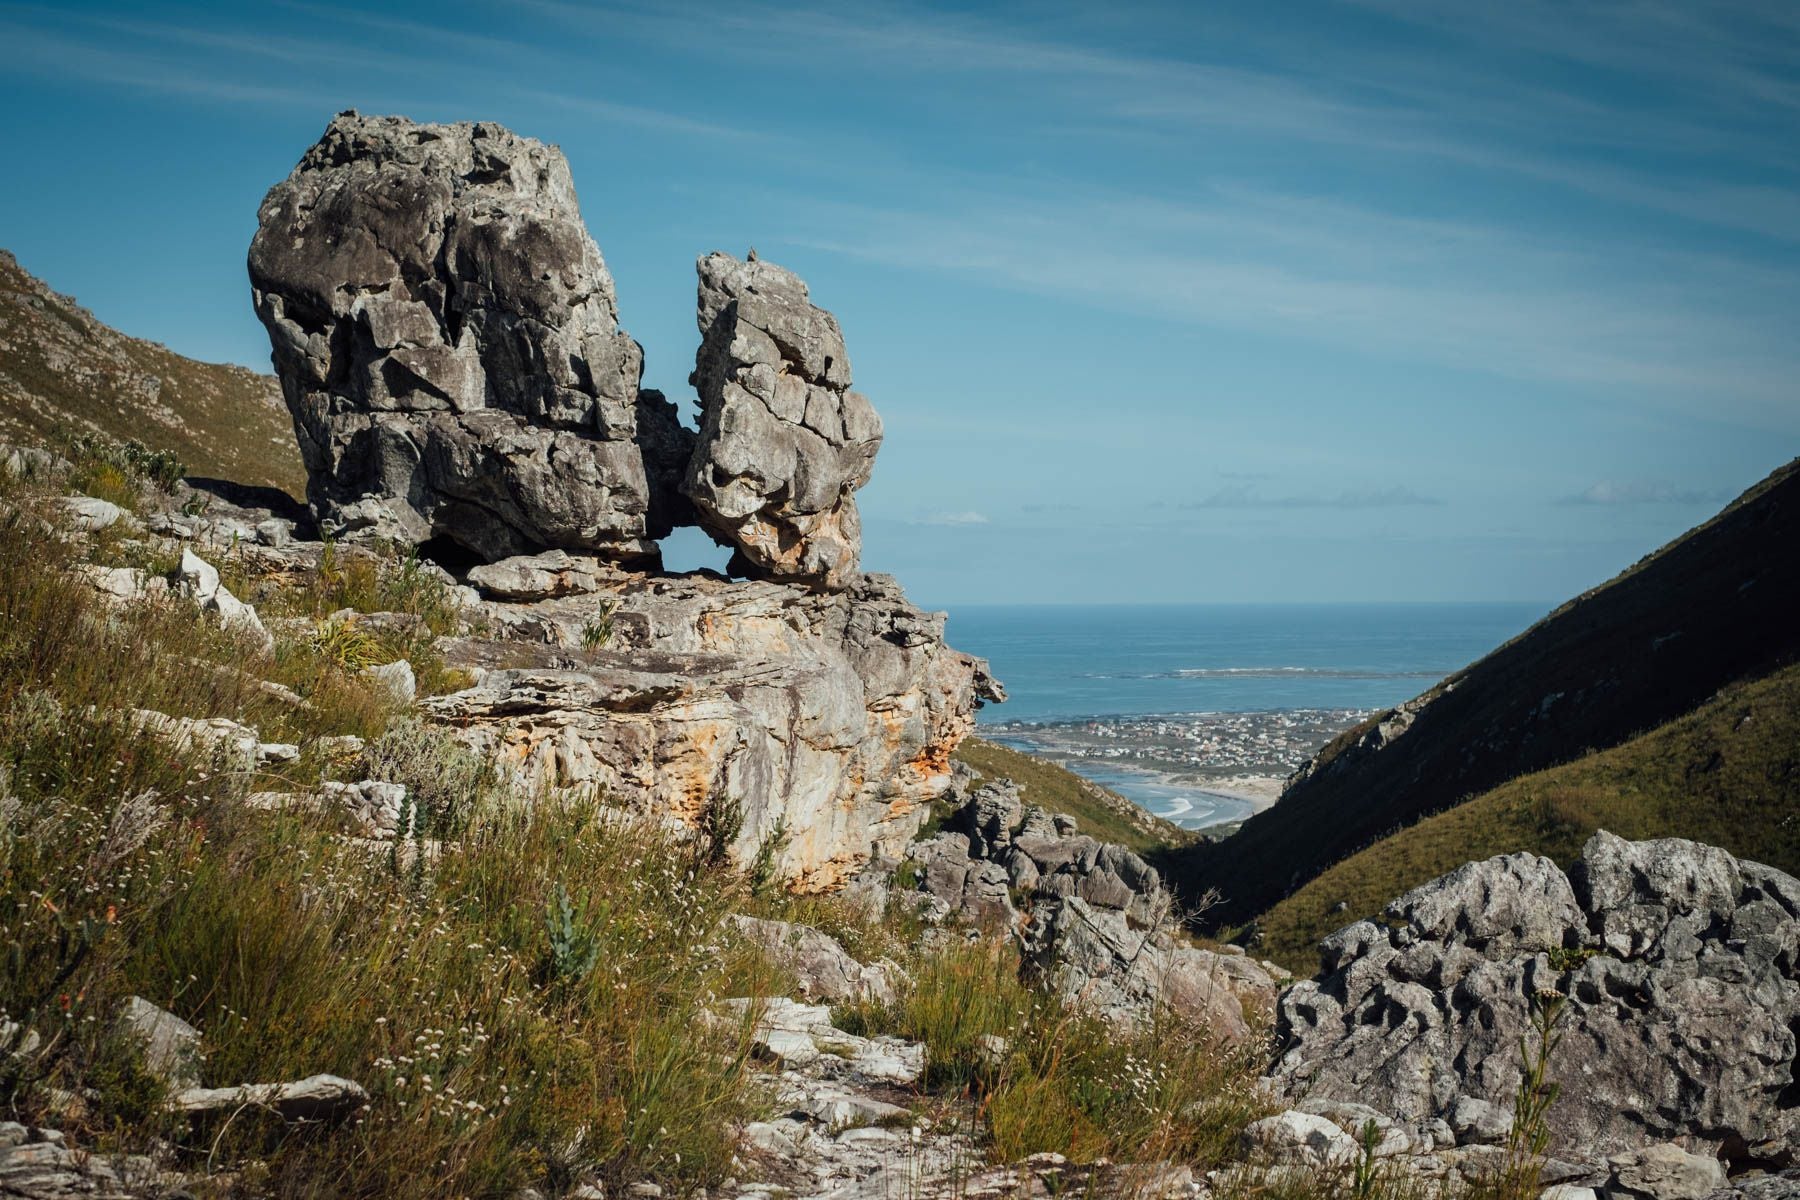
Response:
column 1719, row 78
column 37, row 52
column 218, row 62
column 964, row 517
column 1696, row 333
column 1420, row 274
column 644, row 118
column 1246, row 496
column 1645, row 491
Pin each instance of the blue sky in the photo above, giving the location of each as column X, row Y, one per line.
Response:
column 1387, row 300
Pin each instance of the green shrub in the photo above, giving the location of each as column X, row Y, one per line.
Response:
column 115, row 470
column 446, row 780
column 573, row 947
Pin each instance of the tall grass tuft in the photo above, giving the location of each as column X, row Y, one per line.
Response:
column 1044, row 1077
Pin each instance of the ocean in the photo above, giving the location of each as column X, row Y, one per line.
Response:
column 1084, row 663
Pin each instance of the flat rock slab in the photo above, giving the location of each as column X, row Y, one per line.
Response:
column 801, row 1037
column 315, row 1098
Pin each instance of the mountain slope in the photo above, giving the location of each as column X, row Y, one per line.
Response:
column 1714, row 606
column 1727, row 773
column 1102, row 813
column 64, row 372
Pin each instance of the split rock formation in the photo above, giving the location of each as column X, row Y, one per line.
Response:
column 446, row 334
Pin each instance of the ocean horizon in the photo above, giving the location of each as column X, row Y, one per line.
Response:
column 1071, row 664
column 1086, row 661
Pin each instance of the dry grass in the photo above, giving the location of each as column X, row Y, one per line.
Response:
column 1037, row 1076
column 525, row 1003
column 130, row 866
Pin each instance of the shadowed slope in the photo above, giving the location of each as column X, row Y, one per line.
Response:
column 1727, row 774
column 1714, row 606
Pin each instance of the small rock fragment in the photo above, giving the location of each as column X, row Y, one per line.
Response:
column 90, row 514
column 1664, row 1172
column 171, row 1047
column 396, row 679
column 199, row 580
column 1300, row 1139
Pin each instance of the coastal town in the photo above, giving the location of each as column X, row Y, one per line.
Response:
column 1246, row 753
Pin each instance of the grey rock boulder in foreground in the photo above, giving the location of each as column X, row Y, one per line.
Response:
column 1678, row 963
column 784, row 443
column 447, row 339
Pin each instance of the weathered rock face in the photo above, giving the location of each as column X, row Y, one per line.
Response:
column 784, row 443
column 446, row 335
column 1097, row 925
column 447, row 339
column 1093, row 957
column 1678, row 963
column 826, row 719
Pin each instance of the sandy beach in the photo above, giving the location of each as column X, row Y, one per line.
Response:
column 1196, row 770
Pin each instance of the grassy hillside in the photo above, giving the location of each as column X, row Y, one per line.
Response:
column 62, row 372
column 528, row 991
column 1104, row 814
column 1713, row 607
column 1727, row 773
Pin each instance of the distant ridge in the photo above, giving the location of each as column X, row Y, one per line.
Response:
column 63, row 371
column 1717, row 605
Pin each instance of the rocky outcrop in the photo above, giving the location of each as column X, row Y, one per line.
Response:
column 447, row 339
column 994, row 845
column 1674, row 964
column 1093, row 919
column 784, row 443
column 822, row 721
column 812, row 726
column 1094, row 958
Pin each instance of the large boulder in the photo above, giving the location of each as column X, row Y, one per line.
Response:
column 784, row 443
column 446, row 335
column 1674, row 965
